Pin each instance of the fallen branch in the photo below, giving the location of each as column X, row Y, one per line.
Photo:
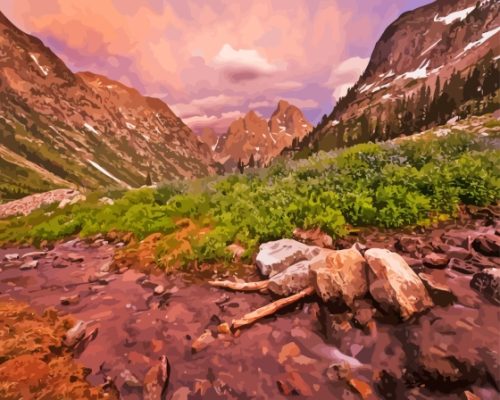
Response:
column 271, row 308
column 241, row 286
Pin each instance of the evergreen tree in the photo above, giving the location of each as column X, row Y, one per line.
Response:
column 251, row 161
column 149, row 181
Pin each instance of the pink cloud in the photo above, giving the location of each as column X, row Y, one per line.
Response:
column 194, row 52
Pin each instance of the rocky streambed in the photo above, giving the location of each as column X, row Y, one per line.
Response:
column 311, row 349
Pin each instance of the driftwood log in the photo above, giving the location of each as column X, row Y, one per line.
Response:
column 240, row 286
column 271, row 308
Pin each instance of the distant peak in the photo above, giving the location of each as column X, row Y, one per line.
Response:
column 283, row 104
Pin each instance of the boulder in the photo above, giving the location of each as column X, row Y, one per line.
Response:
column 435, row 260
column 341, row 276
column 277, row 256
column 487, row 282
column 75, row 334
column 291, row 280
column 440, row 293
column 489, row 245
column 394, row 285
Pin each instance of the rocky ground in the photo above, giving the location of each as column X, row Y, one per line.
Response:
column 132, row 321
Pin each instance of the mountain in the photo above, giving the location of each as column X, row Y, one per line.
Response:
column 209, row 137
column 434, row 63
column 82, row 129
column 253, row 135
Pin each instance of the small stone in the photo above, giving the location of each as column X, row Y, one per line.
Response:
column 181, row 394
column 363, row 388
column 339, row 372
column 159, row 289
column 293, row 383
column 201, row 386
column 75, row 334
column 288, row 350
column 73, row 258
column 435, row 260
column 202, row 342
column 29, row 265
column 11, row 257
column 130, row 379
column 70, row 300
column 224, row 328
column 471, row 396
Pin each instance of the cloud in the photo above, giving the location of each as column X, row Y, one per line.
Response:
column 303, row 103
column 218, row 123
column 261, row 104
column 206, row 105
column 289, row 85
column 242, row 64
column 345, row 74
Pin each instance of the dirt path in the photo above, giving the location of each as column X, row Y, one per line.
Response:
column 136, row 327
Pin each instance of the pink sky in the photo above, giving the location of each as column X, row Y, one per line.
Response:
column 213, row 60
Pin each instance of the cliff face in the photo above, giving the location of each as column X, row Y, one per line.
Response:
column 425, row 53
column 264, row 139
column 85, row 129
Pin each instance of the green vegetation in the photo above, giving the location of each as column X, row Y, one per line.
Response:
column 387, row 185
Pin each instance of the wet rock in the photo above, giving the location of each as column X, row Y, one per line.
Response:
column 129, row 379
column 435, row 260
column 414, row 263
column 202, row 342
column 70, row 300
column 224, row 328
column 487, row 282
column 288, row 350
column 74, row 258
column 314, row 237
column 156, row 380
column 341, row 277
column 201, row 386
column 363, row 313
column 291, row 280
column 335, row 326
column 274, row 257
column 462, row 266
column 489, row 245
column 29, row 265
column 339, row 372
column 159, row 289
column 458, row 252
column 35, row 255
column 409, row 244
column 394, row 285
column 292, row 383
column 75, row 334
column 440, row 293
column 362, row 388
column 11, row 257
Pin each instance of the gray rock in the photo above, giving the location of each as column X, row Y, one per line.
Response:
column 75, row 334
column 11, row 257
column 291, row 280
column 394, row 285
column 29, row 265
column 276, row 256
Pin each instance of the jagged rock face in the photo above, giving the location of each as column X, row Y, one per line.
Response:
column 252, row 134
column 422, row 45
column 85, row 128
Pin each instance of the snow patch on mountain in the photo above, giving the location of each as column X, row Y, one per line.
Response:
column 106, row 172
column 44, row 69
column 450, row 18
column 484, row 37
column 90, row 128
column 431, row 47
column 419, row 73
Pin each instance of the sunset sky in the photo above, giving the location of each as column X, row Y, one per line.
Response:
column 213, row 60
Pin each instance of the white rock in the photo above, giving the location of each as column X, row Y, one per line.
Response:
column 276, row 256
column 29, row 265
column 394, row 285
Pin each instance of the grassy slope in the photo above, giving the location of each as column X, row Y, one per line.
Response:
column 415, row 181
